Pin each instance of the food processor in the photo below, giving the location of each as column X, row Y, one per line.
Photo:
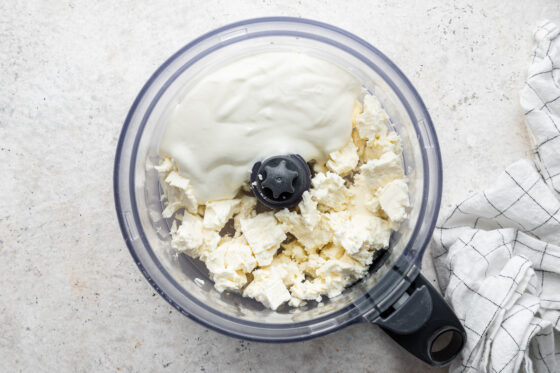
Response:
column 394, row 295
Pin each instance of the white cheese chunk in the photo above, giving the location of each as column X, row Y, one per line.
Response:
column 210, row 240
column 268, row 288
column 295, row 251
column 179, row 194
column 375, row 148
column 348, row 233
column 165, row 165
column 344, row 160
column 229, row 263
column 379, row 172
column 309, row 289
column 188, row 238
column 310, row 238
column 337, row 274
column 329, row 191
column 372, row 121
column 217, row 213
column 308, row 210
column 264, row 235
column 393, row 199
column 359, row 231
column 245, row 209
column 287, row 269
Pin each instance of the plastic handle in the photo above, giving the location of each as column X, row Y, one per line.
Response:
column 424, row 324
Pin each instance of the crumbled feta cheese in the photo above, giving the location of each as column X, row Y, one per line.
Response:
column 239, row 255
column 360, row 143
column 308, row 210
column 349, row 232
column 174, row 179
column 309, row 289
column 217, row 213
column 337, row 274
column 312, row 264
column 165, row 165
column 375, row 148
column 344, row 160
column 229, row 263
column 379, row 172
column 331, row 277
column 364, row 256
column 356, row 111
column 296, row 302
column 264, row 235
column 379, row 232
column 360, row 230
column 332, row 251
column 173, row 228
column 245, row 209
column 188, row 237
column 295, row 251
column 363, row 196
column 329, row 191
column 293, row 222
column 268, row 288
column 287, row 269
column 393, row 199
column 179, row 194
column 372, row 121
column 210, row 240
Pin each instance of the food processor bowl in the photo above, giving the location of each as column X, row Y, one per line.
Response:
column 393, row 295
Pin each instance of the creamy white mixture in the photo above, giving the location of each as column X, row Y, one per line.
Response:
column 259, row 106
column 358, row 196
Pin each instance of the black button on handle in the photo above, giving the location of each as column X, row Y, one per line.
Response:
column 424, row 324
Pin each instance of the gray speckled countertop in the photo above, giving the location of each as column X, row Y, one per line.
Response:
column 71, row 298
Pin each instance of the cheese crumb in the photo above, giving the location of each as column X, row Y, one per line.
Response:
column 329, row 191
column 217, row 213
column 268, row 288
column 344, row 160
column 393, row 199
column 372, row 122
column 188, row 238
column 376, row 147
column 294, row 223
column 178, row 192
column 379, row 172
column 229, row 263
column 264, row 235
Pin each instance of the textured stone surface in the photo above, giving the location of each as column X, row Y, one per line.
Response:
column 71, row 298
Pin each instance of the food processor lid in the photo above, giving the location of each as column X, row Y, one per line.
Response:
column 373, row 301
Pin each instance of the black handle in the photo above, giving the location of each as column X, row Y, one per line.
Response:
column 424, row 324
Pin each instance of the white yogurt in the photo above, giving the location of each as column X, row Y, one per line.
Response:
column 259, row 106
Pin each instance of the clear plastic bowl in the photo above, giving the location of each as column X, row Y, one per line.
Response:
column 184, row 282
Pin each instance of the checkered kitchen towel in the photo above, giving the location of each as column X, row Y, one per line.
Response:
column 497, row 254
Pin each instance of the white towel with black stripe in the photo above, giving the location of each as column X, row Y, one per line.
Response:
column 497, row 254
